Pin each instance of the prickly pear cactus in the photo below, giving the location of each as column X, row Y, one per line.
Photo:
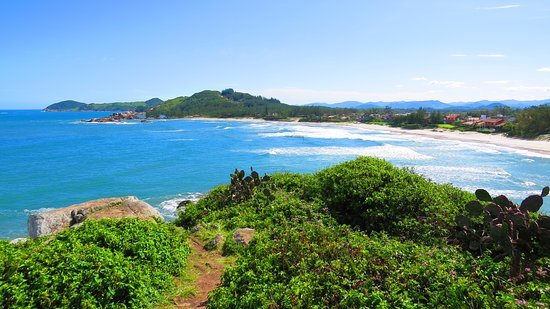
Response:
column 507, row 229
column 242, row 186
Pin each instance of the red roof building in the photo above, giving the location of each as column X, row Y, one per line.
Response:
column 491, row 123
column 450, row 119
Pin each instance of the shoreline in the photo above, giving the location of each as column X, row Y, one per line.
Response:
column 495, row 139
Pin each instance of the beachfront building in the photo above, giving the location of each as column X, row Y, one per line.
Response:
column 450, row 119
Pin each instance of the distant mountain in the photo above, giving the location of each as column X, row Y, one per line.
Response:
column 418, row 104
column 74, row 106
column 346, row 104
column 437, row 105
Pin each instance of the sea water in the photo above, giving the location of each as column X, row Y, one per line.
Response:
column 52, row 160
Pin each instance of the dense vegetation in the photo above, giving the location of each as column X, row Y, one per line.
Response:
column 103, row 263
column 360, row 234
column 532, row 122
column 139, row 106
column 230, row 103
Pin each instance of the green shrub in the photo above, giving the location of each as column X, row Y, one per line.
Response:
column 303, row 186
column 319, row 266
column 260, row 212
column 374, row 195
column 107, row 263
column 306, row 255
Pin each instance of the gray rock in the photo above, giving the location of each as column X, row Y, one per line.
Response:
column 243, row 236
column 18, row 241
column 215, row 242
column 54, row 221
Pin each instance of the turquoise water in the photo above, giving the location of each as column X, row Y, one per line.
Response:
column 50, row 160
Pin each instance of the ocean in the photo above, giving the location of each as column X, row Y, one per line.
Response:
column 52, row 160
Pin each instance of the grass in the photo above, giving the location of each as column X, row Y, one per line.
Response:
column 446, row 126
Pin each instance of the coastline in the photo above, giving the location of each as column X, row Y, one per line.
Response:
column 496, row 139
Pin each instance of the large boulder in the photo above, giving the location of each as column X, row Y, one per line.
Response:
column 54, row 221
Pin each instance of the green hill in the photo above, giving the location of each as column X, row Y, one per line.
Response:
column 229, row 103
column 68, row 105
column 74, row 106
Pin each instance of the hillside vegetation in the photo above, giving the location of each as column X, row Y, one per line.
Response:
column 139, row 106
column 361, row 234
column 228, row 103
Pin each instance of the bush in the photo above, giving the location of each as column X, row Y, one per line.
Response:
column 107, row 263
column 304, row 254
column 318, row 266
column 374, row 195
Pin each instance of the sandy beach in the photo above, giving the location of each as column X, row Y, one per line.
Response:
column 540, row 147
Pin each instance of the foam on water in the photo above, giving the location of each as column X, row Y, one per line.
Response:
column 384, row 151
column 463, row 174
column 330, row 133
column 515, row 195
column 39, row 210
column 169, row 207
column 528, row 153
column 529, row 183
column 104, row 123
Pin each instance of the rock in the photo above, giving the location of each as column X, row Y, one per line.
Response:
column 196, row 228
column 214, row 243
column 18, row 241
column 116, row 117
column 243, row 236
column 54, row 221
column 183, row 204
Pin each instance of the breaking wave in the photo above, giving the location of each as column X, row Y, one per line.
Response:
column 384, row 151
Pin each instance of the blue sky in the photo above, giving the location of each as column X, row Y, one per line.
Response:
column 296, row 51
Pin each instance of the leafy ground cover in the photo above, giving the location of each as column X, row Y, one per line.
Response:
column 107, row 263
column 359, row 234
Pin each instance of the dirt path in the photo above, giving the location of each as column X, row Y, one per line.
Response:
column 208, row 268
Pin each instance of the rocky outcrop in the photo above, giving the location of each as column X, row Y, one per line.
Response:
column 116, row 117
column 54, row 221
column 243, row 236
column 19, row 241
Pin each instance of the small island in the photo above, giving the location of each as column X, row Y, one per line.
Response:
column 116, row 117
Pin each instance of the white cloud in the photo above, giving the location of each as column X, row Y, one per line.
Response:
column 492, row 55
column 447, row 83
column 530, row 89
column 459, row 55
column 547, row 69
column 502, row 7
column 497, row 82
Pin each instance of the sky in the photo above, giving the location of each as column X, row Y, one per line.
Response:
column 297, row 51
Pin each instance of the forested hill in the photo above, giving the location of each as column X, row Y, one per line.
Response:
column 74, row 106
column 228, row 103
